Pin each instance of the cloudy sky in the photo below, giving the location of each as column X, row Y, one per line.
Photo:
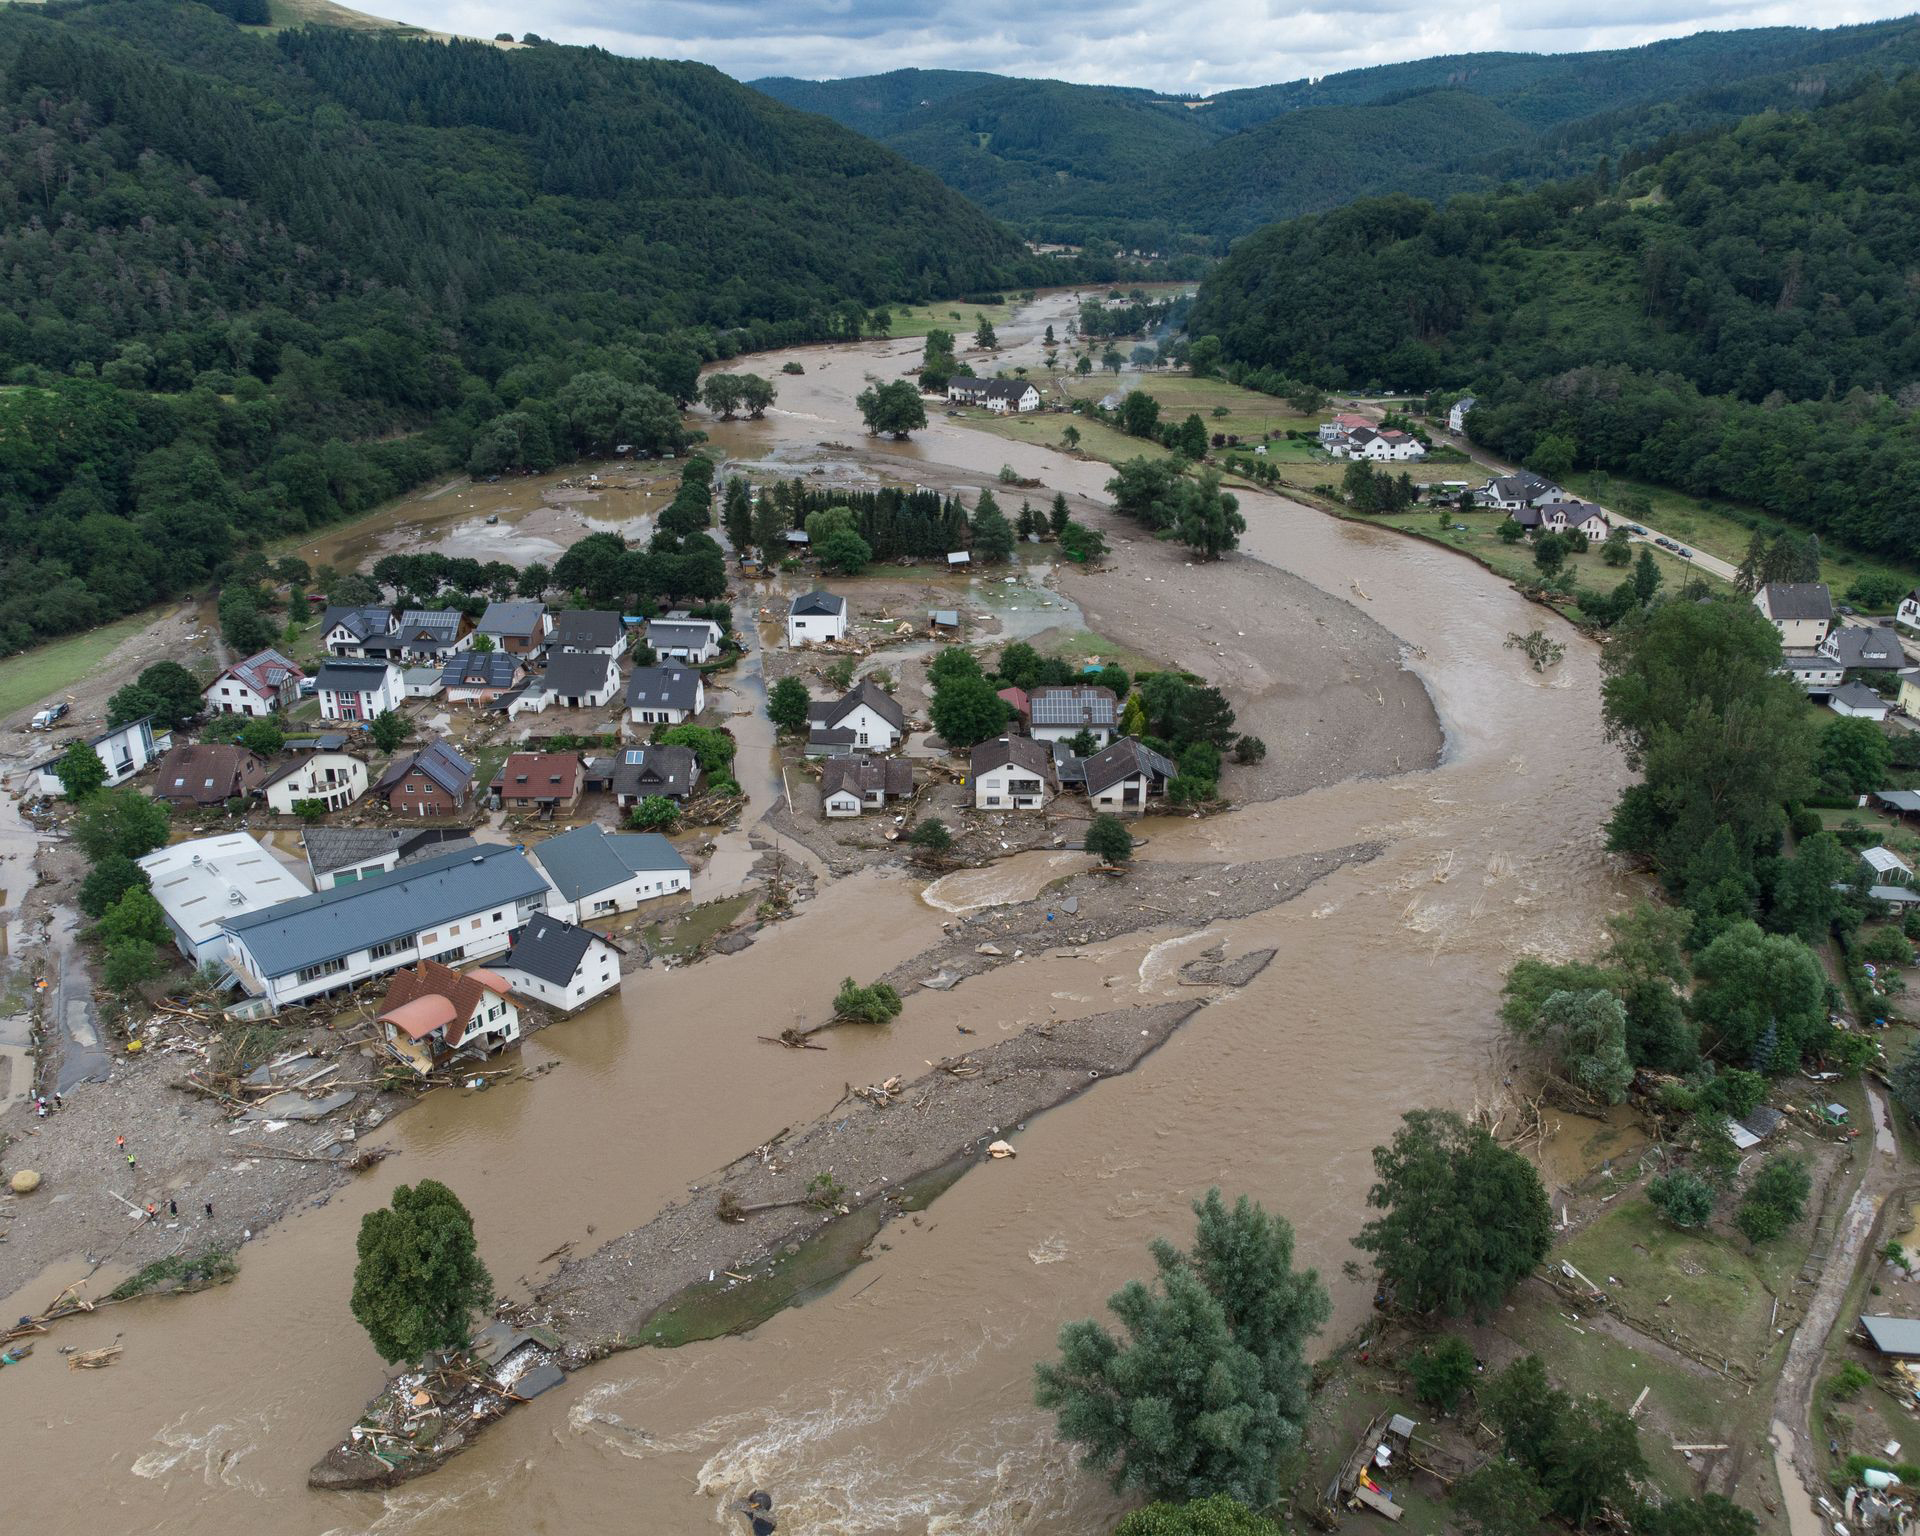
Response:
column 1164, row 44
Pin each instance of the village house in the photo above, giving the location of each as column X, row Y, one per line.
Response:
column 1802, row 611
column 357, row 690
column 866, row 717
column 479, row 677
column 206, row 880
column 208, row 773
column 1390, row 446
column 597, row 873
column 588, row 630
column 1127, row 775
column 815, row 616
column 637, row 772
column 577, row 680
column 345, row 629
column 434, row 1013
column 261, row 685
column 519, row 628
column 459, row 906
column 1864, row 648
column 342, row 855
column 1334, row 434
column 124, row 749
column 850, row 785
column 1059, row 712
column 336, row 779
column 1013, row 773
column 1569, row 516
column 1458, row 412
column 431, row 782
column 1509, row 493
column 541, row 782
column 676, row 638
column 1858, row 701
column 997, row 395
column 664, row 695
column 560, row 965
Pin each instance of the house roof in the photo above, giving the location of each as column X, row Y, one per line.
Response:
column 1022, row 752
column 871, row 694
column 591, row 859
column 514, row 618
column 330, row 924
column 202, row 882
column 1074, row 704
column 552, row 950
column 266, row 673
column 207, row 772
column 1797, row 600
column 480, row 669
column 1893, row 1335
column 539, row 776
column 349, row 675
column 433, row 996
column 331, row 848
column 362, row 619
column 664, row 688
column 578, row 672
column 586, row 629
column 654, row 770
column 1123, row 760
column 891, row 776
column 438, row 761
column 819, row 602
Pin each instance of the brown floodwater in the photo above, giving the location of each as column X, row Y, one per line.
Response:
column 901, row 1400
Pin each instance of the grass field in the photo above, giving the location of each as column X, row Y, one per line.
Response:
column 49, row 670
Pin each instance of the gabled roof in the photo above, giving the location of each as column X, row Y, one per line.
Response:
column 480, row 669
column 892, row 776
column 817, row 602
column 591, row 859
column 547, row 775
column 552, row 950
column 871, row 694
column 362, row 619
column 1073, row 704
column 331, row 848
column 666, row 687
column 586, row 629
column 341, row 674
column 1797, row 600
column 438, row 761
column 1022, row 752
column 514, row 618
column 578, row 672
column 1123, row 760
column 266, row 673
column 331, row 924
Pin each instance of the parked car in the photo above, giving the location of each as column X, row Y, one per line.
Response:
column 44, row 719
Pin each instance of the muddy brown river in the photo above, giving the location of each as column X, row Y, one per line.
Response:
column 899, row 1401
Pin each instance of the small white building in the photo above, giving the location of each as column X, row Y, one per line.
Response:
column 815, row 616
column 261, row 685
column 664, row 695
column 1802, row 611
column 690, row 640
column 335, row 779
column 201, row 883
column 358, row 690
column 1013, row 773
column 125, row 750
column 560, row 965
column 597, row 873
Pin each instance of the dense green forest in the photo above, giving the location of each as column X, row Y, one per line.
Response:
column 257, row 282
column 1079, row 162
column 1737, row 318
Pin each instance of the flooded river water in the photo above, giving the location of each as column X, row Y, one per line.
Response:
column 901, row 1401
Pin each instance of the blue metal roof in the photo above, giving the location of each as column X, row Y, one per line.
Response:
column 590, row 859
column 329, row 924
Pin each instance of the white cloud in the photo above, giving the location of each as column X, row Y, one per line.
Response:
column 1219, row 45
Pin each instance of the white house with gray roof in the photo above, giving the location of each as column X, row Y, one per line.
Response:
column 664, row 695
column 561, row 965
column 458, row 906
column 597, row 873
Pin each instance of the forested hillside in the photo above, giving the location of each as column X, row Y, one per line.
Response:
column 254, row 283
column 1078, row 162
column 1737, row 318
